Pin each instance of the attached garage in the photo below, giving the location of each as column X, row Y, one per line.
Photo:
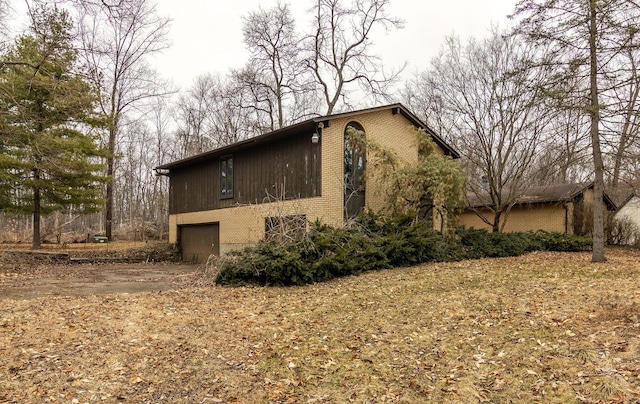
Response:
column 198, row 242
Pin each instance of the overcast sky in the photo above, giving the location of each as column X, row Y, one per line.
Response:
column 206, row 35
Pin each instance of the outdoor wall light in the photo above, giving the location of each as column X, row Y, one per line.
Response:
column 315, row 137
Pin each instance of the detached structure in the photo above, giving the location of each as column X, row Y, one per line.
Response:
column 237, row 195
column 564, row 208
column 629, row 211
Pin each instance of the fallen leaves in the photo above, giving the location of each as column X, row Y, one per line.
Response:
column 546, row 327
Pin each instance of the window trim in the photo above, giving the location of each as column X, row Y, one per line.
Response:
column 224, row 177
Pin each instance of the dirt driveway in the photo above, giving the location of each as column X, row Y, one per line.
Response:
column 92, row 279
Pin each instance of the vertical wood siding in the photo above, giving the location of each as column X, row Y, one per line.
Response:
column 261, row 173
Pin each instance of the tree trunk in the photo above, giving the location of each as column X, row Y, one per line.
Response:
column 35, row 244
column 627, row 136
column 108, row 209
column 495, row 228
column 598, row 187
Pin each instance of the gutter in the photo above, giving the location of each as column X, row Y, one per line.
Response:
column 161, row 172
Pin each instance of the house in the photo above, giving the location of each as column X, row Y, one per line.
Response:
column 564, row 208
column 234, row 196
column 628, row 215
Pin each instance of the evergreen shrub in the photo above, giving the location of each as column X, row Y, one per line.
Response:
column 372, row 243
column 562, row 242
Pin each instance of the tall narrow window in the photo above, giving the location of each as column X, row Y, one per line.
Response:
column 354, row 170
column 226, row 177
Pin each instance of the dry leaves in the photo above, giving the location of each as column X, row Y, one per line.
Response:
column 546, row 327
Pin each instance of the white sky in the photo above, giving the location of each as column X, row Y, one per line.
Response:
column 206, row 35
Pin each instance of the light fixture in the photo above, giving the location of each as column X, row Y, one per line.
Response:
column 315, row 137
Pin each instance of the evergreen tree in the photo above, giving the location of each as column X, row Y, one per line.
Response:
column 50, row 158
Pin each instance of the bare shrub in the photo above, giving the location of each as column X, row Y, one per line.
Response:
column 622, row 231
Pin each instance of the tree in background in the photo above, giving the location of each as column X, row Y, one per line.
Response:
column 425, row 100
column 117, row 38
column 566, row 157
column 4, row 16
column 274, row 74
column 339, row 50
column 621, row 117
column 494, row 117
column 581, row 39
column 213, row 112
column 194, row 110
column 47, row 112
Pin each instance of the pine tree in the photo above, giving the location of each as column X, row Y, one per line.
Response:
column 51, row 160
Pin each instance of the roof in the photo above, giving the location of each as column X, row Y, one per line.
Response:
column 627, row 200
column 555, row 193
column 306, row 127
column 621, row 193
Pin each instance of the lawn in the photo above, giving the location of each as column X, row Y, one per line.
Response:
column 545, row 327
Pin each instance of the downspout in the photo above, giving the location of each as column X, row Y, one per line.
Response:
column 566, row 218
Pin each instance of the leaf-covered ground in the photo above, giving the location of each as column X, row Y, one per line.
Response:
column 546, row 327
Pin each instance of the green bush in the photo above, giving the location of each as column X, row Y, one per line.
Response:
column 265, row 264
column 481, row 243
column 562, row 242
column 374, row 243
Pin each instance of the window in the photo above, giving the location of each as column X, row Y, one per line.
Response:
column 226, row 177
column 354, row 170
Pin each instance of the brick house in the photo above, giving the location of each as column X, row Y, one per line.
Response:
column 231, row 197
column 563, row 208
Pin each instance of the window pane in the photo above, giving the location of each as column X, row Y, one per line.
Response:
column 230, row 176
column 226, row 177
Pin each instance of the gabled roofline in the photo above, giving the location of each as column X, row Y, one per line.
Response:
column 242, row 144
column 580, row 188
column 309, row 124
column 627, row 199
column 401, row 109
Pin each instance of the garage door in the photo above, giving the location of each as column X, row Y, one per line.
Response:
column 197, row 242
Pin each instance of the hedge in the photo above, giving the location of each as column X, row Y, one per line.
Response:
column 373, row 243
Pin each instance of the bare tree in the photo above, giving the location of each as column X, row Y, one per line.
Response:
column 4, row 17
column 581, row 39
column 117, row 37
column 339, row 49
column 214, row 112
column 566, row 159
column 621, row 118
column 275, row 70
column 498, row 120
column 194, row 110
column 425, row 100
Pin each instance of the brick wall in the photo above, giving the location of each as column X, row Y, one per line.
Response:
column 548, row 217
column 391, row 132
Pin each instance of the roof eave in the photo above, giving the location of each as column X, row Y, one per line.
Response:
column 448, row 149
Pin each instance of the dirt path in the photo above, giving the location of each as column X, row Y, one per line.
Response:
column 82, row 280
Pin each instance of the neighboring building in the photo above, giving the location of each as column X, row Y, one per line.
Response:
column 236, row 195
column 629, row 211
column 564, row 208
